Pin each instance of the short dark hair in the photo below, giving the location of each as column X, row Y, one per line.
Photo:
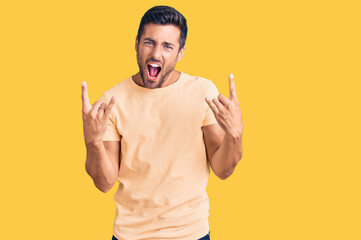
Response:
column 164, row 15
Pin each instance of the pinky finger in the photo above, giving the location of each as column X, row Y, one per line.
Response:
column 110, row 106
column 213, row 107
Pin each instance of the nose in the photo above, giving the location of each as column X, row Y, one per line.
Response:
column 157, row 52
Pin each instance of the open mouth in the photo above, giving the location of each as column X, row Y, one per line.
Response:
column 153, row 71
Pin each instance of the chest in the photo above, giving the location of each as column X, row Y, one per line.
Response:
column 153, row 116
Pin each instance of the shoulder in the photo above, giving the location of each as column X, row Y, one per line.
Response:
column 116, row 90
column 199, row 82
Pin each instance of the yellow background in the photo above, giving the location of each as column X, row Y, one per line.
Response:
column 297, row 71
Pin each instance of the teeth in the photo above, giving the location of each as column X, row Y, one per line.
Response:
column 154, row 65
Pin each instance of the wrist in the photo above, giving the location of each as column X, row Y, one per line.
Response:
column 234, row 135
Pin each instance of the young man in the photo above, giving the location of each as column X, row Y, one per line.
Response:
column 156, row 132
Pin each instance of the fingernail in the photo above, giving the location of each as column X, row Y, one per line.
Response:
column 231, row 75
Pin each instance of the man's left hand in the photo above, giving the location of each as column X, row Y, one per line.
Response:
column 227, row 111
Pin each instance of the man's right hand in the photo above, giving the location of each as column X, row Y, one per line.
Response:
column 94, row 117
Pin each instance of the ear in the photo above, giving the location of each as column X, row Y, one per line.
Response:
column 180, row 54
column 136, row 43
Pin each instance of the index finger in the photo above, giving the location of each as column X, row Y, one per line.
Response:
column 84, row 96
column 232, row 87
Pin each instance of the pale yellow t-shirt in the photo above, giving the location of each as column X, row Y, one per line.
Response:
column 164, row 170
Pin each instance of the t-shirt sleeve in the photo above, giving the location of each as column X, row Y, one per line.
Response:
column 111, row 132
column 211, row 93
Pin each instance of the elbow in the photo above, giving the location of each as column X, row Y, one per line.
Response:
column 103, row 186
column 224, row 175
column 101, row 183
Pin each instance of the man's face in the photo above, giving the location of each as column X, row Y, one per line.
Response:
column 158, row 53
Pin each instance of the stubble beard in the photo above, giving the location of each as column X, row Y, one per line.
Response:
column 162, row 77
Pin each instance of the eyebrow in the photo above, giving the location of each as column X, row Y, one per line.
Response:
column 166, row 43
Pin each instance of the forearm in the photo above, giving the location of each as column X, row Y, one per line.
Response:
column 226, row 158
column 99, row 167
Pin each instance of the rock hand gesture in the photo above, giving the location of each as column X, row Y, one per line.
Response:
column 94, row 117
column 227, row 111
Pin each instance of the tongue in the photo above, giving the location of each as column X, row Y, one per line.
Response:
column 153, row 71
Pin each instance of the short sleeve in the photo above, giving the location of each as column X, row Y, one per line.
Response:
column 111, row 132
column 212, row 92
